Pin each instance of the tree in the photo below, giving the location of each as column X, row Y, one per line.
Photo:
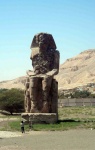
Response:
column 12, row 100
column 76, row 94
column 81, row 94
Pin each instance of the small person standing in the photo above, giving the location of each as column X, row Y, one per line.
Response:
column 30, row 126
column 30, row 123
column 31, row 120
column 22, row 127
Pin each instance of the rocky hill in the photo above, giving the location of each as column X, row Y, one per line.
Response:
column 74, row 72
column 15, row 83
column 77, row 71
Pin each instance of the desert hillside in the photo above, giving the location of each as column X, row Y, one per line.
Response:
column 77, row 71
column 15, row 83
column 74, row 72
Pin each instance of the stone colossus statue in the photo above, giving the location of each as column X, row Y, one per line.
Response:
column 41, row 89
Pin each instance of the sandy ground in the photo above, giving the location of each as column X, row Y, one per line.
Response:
column 50, row 140
column 8, row 134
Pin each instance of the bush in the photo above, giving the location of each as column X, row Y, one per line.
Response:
column 77, row 94
column 81, row 94
column 12, row 100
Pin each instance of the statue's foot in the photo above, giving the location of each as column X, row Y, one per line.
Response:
column 26, row 111
column 45, row 108
column 34, row 110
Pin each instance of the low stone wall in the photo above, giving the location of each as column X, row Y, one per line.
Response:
column 76, row 102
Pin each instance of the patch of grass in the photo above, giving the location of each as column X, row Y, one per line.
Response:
column 61, row 126
column 15, row 126
column 76, row 112
column 58, row 126
column 12, row 126
column 69, row 118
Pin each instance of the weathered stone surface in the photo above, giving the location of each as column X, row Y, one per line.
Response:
column 41, row 89
column 40, row 117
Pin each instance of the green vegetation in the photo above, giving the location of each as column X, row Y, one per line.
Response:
column 15, row 126
column 80, row 94
column 77, row 113
column 12, row 100
column 58, row 126
column 69, row 118
column 77, row 94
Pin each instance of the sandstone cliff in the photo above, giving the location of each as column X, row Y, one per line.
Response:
column 77, row 71
column 15, row 83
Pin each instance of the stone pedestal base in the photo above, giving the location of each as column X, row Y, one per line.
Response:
column 40, row 117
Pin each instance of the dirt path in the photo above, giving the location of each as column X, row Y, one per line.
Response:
column 51, row 140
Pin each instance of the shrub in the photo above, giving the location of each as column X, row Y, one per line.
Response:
column 12, row 100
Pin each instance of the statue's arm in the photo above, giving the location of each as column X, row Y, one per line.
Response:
column 30, row 73
column 52, row 73
column 56, row 64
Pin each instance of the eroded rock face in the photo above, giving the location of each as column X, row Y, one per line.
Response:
column 41, row 90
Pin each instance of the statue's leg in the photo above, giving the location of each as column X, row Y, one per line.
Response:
column 25, row 103
column 46, row 84
column 27, row 97
column 33, row 94
column 54, row 101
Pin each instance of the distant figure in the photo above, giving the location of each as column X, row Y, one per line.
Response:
column 31, row 123
column 22, row 127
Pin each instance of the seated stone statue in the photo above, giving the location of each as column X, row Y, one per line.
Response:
column 41, row 90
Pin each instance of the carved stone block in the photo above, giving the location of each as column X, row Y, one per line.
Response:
column 41, row 89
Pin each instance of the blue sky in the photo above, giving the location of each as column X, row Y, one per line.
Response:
column 71, row 22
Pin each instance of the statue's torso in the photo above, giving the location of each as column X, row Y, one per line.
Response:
column 42, row 63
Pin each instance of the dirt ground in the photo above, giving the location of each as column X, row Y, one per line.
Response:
column 49, row 140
